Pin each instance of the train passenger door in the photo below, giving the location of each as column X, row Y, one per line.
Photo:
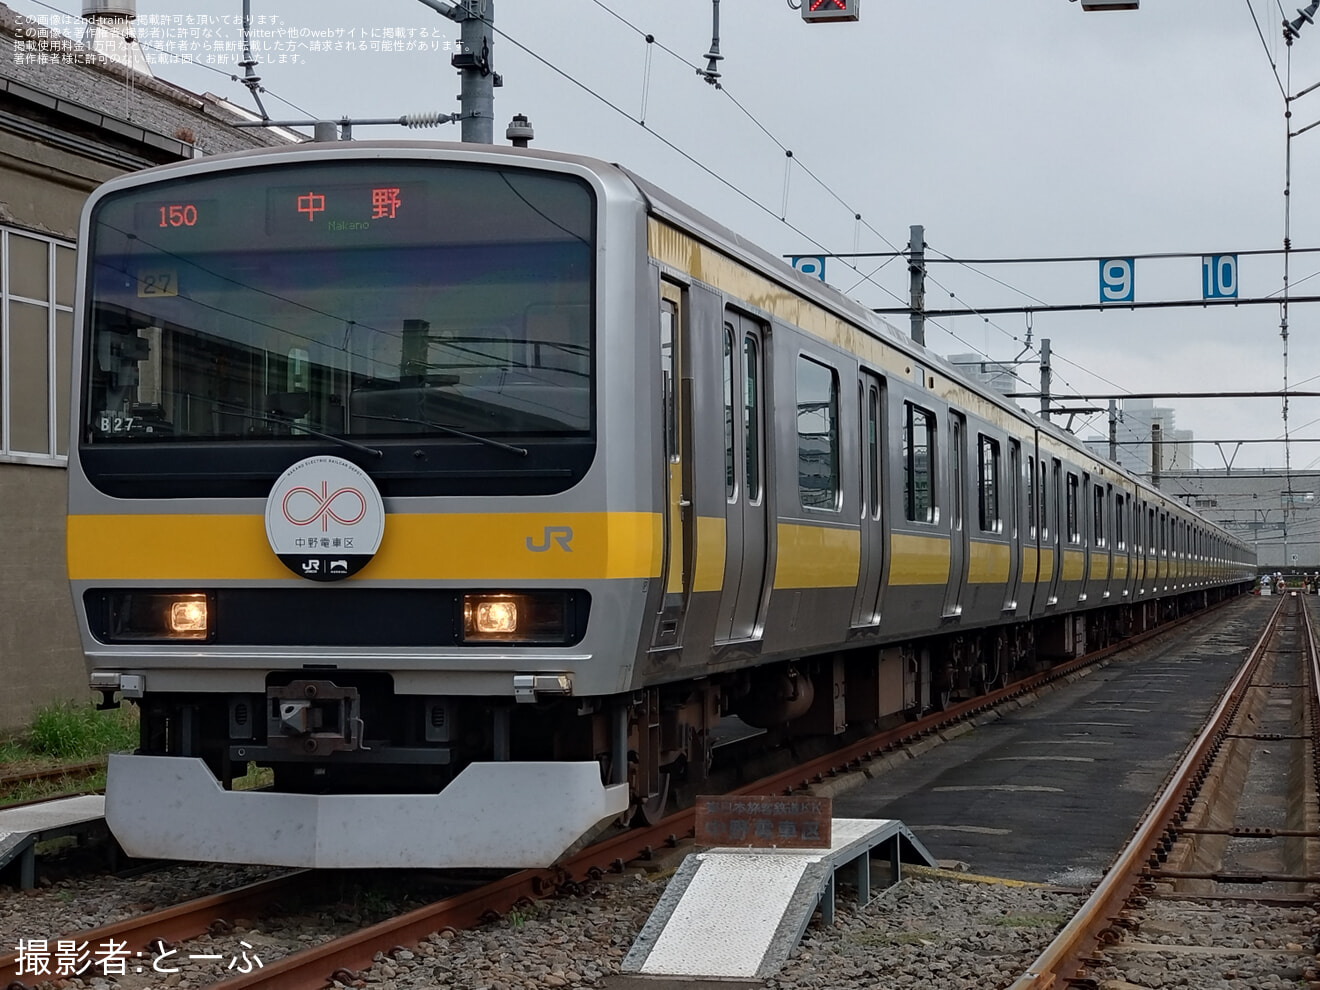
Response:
column 958, row 535
column 679, row 518
column 870, row 586
column 746, row 520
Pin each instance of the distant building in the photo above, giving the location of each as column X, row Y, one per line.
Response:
column 994, row 375
column 69, row 120
column 1136, row 417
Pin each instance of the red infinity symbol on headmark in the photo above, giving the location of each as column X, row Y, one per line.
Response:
column 324, row 507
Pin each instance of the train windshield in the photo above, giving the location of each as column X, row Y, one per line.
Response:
column 368, row 299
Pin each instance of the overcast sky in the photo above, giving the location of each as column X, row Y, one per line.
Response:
column 1010, row 129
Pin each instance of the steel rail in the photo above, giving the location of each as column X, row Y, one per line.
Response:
column 1059, row 961
column 190, row 919
column 51, row 773
column 309, row 968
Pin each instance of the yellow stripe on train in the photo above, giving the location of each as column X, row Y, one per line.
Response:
column 988, row 563
column 918, row 560
column 817, row 556
column 449, row 546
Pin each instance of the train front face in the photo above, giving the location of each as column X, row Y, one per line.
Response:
column 341, row 503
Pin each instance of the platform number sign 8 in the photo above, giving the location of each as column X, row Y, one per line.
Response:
column 1117, row 284
column 1219, row 276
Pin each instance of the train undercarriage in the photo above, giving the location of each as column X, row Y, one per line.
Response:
column 343, row 732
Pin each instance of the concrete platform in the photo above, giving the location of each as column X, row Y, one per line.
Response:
column 733, row 913
column 1048, row 791
column 21, row 828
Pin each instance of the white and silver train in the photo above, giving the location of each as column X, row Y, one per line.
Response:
column 470, row 488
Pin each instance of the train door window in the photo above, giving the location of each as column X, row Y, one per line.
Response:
column 818, row 435
column 730, row 481
column 988, row 484
column 872, row 441
column 1074, row 531
column 918, row 460
column 1098, row 516
column 1050, row 517
column 956, row 474
column 752, row 418
column 1015, row 486
column 1120, row 527
column 668, row 377
column 1031, row 498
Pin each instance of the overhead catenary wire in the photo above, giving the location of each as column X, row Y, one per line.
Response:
column 789, row 161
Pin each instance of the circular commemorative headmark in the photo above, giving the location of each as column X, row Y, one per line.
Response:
column 325, row 518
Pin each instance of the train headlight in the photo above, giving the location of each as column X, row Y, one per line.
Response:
column 188, row 616
column 526, row 617
column 157, row 616
column 497, row 616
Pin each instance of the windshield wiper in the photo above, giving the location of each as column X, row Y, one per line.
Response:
column 294, row 425
column 451, row 431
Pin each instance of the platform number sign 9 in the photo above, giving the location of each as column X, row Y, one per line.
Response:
column 1117, row 284
column 1219, row 276
column 810, row 264
column 829, row 10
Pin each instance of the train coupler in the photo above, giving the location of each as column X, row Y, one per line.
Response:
column 314, row 718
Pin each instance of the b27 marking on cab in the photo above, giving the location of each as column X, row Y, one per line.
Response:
column 563, row 535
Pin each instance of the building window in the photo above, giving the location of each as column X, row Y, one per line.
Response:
column 36, row 335
column 818, row 435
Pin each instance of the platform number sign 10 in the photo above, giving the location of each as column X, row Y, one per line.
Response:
column 810, row 264
column 1117, row 284
column 829, row 10
column 1219, row 276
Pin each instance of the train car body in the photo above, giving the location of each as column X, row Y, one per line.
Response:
column 470, row 488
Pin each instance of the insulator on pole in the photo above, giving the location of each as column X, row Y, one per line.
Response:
column 429, row 118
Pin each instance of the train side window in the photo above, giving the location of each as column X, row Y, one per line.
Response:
column 1074, row 531
column 988, row 502
column 730, row 482
column 918, row 451
column 818, row 435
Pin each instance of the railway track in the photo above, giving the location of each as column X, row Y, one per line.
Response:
column 1220, row 880
column 72, row 770
column 346, row 954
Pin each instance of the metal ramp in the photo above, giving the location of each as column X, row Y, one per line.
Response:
column 22, row 827
column 738, row 913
